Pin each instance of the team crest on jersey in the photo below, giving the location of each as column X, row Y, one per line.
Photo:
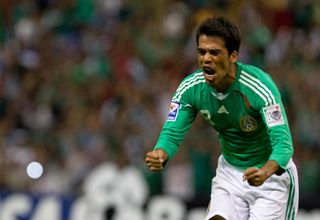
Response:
column 173, row 111
column 273, row 115
column 248, row 123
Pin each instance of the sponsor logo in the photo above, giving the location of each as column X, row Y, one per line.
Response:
column 173, row 111
column 222, row 110
column 248, row 123
column 273, row 115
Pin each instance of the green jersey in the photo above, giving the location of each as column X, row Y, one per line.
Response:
column 249, row 117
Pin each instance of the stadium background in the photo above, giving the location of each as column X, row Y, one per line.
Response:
column 86, row 84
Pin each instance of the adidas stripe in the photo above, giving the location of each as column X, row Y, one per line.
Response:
column 184, row 86
column 290, row 211
column 258, row 87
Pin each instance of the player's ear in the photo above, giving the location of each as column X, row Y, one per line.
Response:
column 234, row 56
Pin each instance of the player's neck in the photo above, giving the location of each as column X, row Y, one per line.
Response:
column 229, row 78
column 233, row 72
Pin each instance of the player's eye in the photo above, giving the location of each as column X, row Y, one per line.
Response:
column 215, row 52
column 201, row 52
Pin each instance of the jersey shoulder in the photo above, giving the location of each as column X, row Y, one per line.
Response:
column 191, row 82
column 257, row 85
column 257, row 73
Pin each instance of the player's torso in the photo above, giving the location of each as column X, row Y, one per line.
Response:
column 230, row 113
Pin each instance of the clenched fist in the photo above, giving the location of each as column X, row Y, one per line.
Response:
column 256, row 176
column 156, row 159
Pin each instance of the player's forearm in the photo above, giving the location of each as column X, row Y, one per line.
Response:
column 270, row 168
column 282, row 146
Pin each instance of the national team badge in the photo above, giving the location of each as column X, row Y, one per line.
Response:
column 173, row 111
column 273, row 115
column 248, row 123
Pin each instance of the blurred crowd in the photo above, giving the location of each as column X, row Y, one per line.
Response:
column 85, row 82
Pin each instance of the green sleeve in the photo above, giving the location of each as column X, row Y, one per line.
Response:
column 276, row 122
column 181, row 115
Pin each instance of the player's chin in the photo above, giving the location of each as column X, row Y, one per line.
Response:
column 210, row 82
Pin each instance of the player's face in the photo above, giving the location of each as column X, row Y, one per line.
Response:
column 218, row 66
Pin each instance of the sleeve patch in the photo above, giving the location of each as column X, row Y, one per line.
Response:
column 273, row 115
column 173, row 111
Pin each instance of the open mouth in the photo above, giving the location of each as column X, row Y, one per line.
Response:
column 209, row 71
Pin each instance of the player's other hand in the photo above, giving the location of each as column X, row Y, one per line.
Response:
column 156, row 159
column 254, row 176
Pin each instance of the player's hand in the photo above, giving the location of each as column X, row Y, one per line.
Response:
column 255, row 176
column 155, row 159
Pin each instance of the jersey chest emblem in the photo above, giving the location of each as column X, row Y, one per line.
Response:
column 248, row 123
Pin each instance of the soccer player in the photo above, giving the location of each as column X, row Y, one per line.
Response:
column 256, row 177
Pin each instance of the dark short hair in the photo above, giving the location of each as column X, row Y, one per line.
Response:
column 223, row 28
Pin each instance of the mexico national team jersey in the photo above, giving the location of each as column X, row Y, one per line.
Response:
column 249, row 118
